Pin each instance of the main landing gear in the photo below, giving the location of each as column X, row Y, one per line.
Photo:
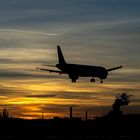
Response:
column 73, row 80
column 92, row 80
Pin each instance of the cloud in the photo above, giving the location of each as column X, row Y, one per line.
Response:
column 5, row 60
column 27, row 32
column 40, row 96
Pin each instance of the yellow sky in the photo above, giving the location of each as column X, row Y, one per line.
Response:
column 29, row 99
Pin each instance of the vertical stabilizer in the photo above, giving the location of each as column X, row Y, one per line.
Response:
column 60, row 56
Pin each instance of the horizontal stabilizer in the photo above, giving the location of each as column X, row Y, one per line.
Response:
column 111, row 69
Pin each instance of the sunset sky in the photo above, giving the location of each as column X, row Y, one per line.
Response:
column 94, row 32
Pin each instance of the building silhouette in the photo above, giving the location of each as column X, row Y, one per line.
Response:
column 5, row 114
column 86, row 115
column 71, row 113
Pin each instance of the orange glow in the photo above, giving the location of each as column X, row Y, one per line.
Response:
column 31, row 107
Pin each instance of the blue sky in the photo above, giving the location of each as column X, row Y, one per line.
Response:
column 96, row 32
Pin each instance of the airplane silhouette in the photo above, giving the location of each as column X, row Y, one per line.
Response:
column 75, row 70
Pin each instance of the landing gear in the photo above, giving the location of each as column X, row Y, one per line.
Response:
column 92, row 80
column 101, row 81
column 73, row 80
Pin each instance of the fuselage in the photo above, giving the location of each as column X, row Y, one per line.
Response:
column 83, row 70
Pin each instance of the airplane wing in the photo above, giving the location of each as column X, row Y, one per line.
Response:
column 56, row 71
column 111, row 69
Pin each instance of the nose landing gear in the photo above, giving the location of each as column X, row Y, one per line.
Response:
column 101, row 81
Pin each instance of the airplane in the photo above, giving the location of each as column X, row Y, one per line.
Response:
column 76, row 70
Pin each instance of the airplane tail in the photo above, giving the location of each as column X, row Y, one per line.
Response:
column 60, row 56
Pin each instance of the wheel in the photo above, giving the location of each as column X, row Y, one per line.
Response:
column 73, row 80
column 101, row 81
column 92, row 80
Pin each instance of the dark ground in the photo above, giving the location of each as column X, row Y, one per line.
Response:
column 107, row 127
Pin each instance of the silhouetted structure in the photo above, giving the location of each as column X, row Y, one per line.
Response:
column 5, row 114
column 42, row 116
column 114, row 125
column 86, row 115
column 71, row 113
column 105, row 127
column 121, row 100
